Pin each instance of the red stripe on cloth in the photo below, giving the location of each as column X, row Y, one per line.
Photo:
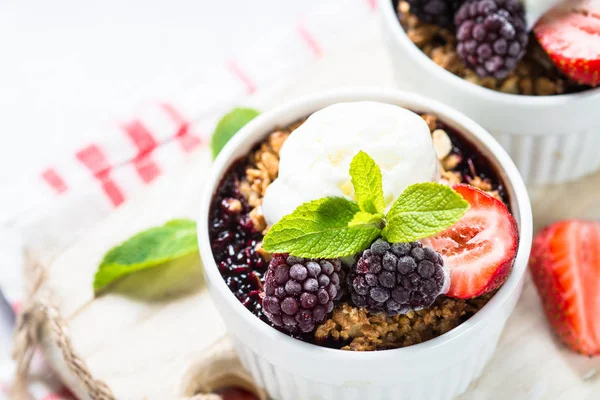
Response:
column 94, row 159
column 310, row 40
column 55, row 181
column 176, row 116
column 115, row 195
column 188, row 141
column 146, row 168
column 145, row 143
column 140, row 136
column 372, row 4
column 241, row 75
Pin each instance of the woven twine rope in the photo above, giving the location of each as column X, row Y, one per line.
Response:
column 38, row 312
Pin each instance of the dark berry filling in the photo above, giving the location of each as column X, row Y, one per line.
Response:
column 439, row 12
column 233, row 240
column 474, row 164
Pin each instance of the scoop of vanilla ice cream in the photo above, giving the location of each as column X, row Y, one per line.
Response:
column 315, row 159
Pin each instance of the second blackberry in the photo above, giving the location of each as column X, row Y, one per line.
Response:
column 395, row 278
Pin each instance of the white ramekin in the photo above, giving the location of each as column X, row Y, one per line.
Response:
column 441, row 368
column 551, row 139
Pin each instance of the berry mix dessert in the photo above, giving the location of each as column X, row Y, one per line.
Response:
column 364, row 227
column 490, row 42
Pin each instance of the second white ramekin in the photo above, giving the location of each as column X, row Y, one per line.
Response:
column 551, row 139
column 438, row 369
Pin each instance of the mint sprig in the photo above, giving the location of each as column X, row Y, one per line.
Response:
column 367, row 182
column 337, row 227
column 365, row 218
column 423, row 210
column 321, row 228
column 148, row 249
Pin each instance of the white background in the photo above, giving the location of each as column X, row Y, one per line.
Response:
column 68, row 65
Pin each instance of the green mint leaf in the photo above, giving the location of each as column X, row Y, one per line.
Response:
column 367, row 182
column 423, row 210
column 365, row 218
column 228, row 126
column 171, row 280
column 148, row 249
column 319, row 229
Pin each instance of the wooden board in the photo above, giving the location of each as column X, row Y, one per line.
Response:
column 156, row 349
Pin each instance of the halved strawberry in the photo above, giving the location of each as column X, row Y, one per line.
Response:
column 480, row 248
column 570, row 34
column 565, row 266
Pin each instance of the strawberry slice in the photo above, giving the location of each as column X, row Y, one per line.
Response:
column 570, row 34
column 480, row 248
column 565, row 266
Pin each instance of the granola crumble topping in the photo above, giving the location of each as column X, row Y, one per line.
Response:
column 262, row 170
column 361, row 331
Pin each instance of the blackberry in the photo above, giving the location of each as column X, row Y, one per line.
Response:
column 492, row 36
column 299, row 293
column 438, row 12
column 394, row 278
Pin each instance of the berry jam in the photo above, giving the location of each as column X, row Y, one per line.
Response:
column 234, row 239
